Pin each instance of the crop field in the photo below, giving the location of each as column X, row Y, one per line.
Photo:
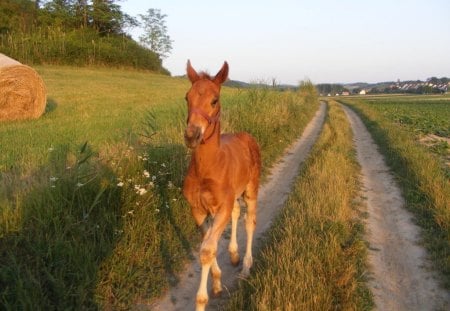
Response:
column 91, row 212
column 422, row 115
column 398, row 125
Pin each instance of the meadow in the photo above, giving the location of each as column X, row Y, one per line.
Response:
column 397, row 124
column 91, row 211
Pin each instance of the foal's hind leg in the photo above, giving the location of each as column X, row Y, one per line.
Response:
column 250, row 198
column 233, row 247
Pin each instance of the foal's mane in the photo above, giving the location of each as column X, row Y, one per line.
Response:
column 205, row 75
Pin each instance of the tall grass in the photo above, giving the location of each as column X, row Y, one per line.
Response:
column 314, row 255
column 424, row 183
column 104, row 225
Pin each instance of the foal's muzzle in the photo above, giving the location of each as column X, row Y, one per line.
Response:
column 193, row 136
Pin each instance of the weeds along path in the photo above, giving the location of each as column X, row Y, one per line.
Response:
column 401, row 277
column 272, row 196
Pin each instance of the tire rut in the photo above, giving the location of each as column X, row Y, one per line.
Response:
column 401, row 275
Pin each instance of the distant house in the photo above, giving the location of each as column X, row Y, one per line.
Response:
column 362, row 92
column 345, row 93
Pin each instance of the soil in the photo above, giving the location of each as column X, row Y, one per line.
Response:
column 401, row 275
column 272, row 195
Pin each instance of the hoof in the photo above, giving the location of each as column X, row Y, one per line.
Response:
column 216, row 294
column 235, row 259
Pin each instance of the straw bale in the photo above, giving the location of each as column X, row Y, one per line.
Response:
column 22, row 91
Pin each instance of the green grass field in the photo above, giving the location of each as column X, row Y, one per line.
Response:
column 91, row 211
column 397, row 124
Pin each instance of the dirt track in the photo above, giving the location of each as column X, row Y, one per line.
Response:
column 401, row 278
column 272, row 196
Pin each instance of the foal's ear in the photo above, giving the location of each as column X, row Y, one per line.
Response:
column 191, row 73
column 222, row 75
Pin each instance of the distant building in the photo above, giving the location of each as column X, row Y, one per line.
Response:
column 362, row 92
column 345, row 93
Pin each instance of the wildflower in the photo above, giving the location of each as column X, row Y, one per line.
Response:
column 139, row 157
column 131, row 212
column 153, row 178
column 163, row 164
column 53, row 179
column 80, row 185
column 141, row 191
column 146, row 174
column 51, row 149
column 151, row 184
column 170, row 185
column 157, row 210
column 120, row 184
column 174, row 200
column 144, row 159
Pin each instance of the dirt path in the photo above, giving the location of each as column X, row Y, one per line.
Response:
column 401, row 273
column 271, row 199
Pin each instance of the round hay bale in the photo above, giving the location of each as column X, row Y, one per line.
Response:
column 22, row 91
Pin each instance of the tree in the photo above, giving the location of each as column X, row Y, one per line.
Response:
column 155, row 35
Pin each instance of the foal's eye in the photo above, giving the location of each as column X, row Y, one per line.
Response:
column 214, row 102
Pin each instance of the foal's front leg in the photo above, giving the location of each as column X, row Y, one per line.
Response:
column 208, row 260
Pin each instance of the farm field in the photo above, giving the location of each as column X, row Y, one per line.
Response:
column 91, row 212
column 398, row 125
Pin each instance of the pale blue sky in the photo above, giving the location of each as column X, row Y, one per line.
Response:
column 323, row 40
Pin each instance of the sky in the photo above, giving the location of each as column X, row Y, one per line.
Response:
column 322, row 40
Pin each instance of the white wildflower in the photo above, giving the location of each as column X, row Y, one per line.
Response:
column 163, row 164
column 146, row 174
column 157, row 210
column 170, row 185
column 53, row 179
column 153, row 178
column 141, row 191
column 131, row 212
column 151, row 184
column 120, row 184
column 51, row 149
column 80, row 185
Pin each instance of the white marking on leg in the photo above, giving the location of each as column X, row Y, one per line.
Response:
column 202, row 293
column 250, row 223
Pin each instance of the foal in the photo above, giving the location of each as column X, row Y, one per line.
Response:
column 223, row 168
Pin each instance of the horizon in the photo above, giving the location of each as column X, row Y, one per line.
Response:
column 290, row 41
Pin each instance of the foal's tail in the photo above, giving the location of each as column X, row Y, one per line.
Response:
column 255, row 156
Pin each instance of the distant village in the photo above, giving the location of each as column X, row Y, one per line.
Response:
column 430, row 86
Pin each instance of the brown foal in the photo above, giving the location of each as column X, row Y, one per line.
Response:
column 223, row 168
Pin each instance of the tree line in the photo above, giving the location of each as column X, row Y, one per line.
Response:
column 81, row 32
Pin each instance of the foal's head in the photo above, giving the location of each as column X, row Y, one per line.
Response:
column 203, row 100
